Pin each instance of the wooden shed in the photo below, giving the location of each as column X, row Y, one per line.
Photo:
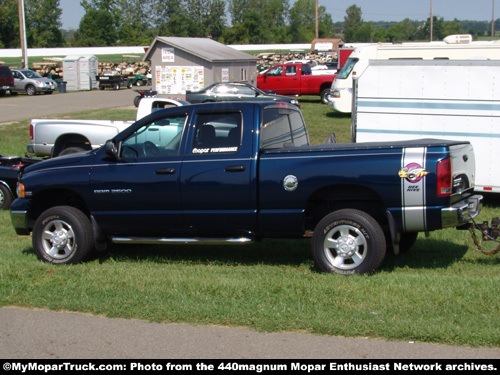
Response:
column 180, row 64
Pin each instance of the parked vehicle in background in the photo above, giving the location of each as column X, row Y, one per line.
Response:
column 295, row 79
column 9, row 171
column 140, row 80
column 445, row 99
column 112, row 81
column 30, row 82
column 453, row 47
column 6, row 79
column 53, row 137
column 234, row 91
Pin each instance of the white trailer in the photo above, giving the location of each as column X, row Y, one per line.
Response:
column 453, row 47
column 445, row 99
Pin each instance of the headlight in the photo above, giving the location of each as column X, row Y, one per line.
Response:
column 20, row 190
column 38, row 83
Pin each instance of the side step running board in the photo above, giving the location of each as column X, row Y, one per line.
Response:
column 170, row 241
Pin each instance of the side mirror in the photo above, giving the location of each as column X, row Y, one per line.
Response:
column 111, row 150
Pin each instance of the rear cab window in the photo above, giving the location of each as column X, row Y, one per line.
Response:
column 282, row 127
column 217, row 133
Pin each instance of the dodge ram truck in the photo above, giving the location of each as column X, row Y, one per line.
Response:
column 295, row 79
column 242, row 171
column 54, row 137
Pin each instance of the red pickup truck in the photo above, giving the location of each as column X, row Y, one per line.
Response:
column 295, row 79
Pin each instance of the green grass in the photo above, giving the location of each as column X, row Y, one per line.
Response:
column 442, row 291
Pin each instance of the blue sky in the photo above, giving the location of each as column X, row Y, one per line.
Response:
column 372, row 10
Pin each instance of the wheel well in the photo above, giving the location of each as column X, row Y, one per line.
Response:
column 70, row 140
column 52, row 198
column 325, row 86
column 334, row 198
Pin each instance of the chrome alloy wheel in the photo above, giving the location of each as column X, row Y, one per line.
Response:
column 58, row 239
column 345, row 247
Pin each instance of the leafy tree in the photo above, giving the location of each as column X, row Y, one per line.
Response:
column 96, row 30
column 43, row 27
column 352, row 23
column 9, row 24
column 134, row 22
column 303, row 22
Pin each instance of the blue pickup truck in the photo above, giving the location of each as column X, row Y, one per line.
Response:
column 239, row 172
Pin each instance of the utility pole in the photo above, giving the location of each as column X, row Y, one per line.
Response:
column 432, row 22
column 317, row 20
column 493, row 20
column 22, row 33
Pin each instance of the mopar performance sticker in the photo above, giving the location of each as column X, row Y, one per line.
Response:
column 413, row 200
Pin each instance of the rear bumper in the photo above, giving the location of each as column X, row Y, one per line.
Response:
column 461, row 212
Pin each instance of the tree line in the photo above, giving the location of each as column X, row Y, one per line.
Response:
column 138, row 22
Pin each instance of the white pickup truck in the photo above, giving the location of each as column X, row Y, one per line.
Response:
column 54, row 137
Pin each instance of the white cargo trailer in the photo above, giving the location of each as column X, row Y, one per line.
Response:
column 446, row 99
column 453, row 47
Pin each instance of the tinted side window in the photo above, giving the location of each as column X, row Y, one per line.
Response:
column 156, row 139
column 282, row 128
column 217, row 133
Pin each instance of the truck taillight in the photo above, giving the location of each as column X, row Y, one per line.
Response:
column 31, row 131
column 444, row 181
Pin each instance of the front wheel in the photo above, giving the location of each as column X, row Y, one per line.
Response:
column 348, row 242
column 63, row 235
column 30, row 90
column 325, row 94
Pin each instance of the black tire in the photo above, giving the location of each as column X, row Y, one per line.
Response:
column 348, row 242
column 324, row 96
column 116, row 86
column 137, row 100
column 71, row 150
column 63, row 235
column 30, row 90
column 5, row 198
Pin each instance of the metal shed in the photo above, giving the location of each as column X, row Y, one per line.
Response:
column 180, row 64
column 80, row 72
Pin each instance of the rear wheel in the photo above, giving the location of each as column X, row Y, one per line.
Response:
column 348, row 242
column 63, row 235
column 71, row 150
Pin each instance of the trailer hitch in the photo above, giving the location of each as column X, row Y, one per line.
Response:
column 488, row 233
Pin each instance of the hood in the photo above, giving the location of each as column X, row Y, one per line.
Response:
column 59, row 161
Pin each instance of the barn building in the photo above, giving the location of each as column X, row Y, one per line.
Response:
column 179, row 64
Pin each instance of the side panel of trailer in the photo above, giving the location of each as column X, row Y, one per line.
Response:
column 457, row 100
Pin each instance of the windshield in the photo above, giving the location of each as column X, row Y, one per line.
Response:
column 31, row 74
column 347, row 68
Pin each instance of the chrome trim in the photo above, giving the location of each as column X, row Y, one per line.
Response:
column 204, row 241
column 18, row 219
column 461, row 212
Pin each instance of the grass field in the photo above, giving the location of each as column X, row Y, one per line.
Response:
column 442, row 291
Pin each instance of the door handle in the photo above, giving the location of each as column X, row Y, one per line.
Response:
column 165, row 171
column 235, row 168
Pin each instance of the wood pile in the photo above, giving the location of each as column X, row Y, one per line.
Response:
column 267, row 59
column 53, row 67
